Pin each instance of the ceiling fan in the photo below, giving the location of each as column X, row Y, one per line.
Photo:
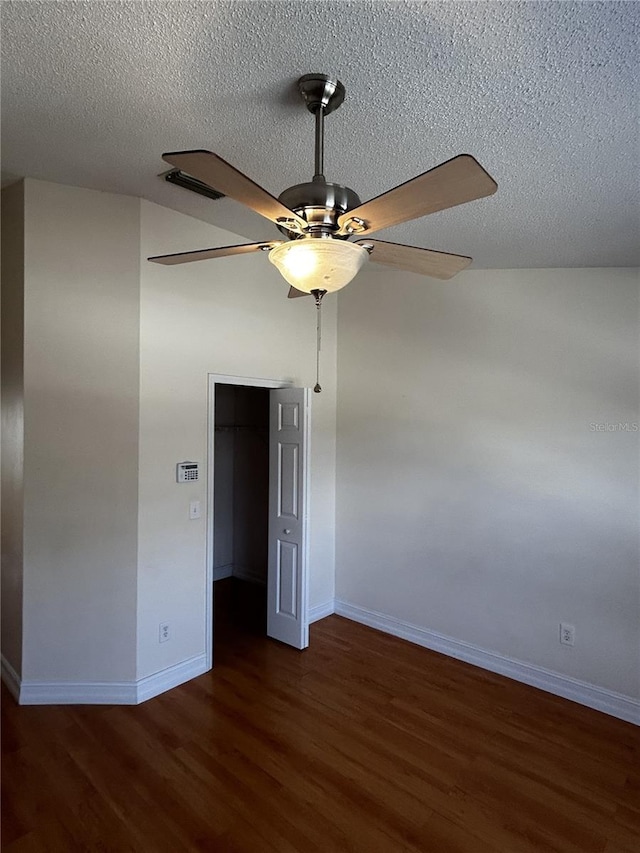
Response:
column 319, row 218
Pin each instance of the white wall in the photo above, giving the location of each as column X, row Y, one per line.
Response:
column 229, row 316
column 115, row 393
column 12, row 421
column 81, row 434
column 474, row 497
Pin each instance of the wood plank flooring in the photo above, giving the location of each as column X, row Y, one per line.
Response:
column 363, row 743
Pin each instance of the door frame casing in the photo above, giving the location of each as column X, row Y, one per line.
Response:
column 214, row 379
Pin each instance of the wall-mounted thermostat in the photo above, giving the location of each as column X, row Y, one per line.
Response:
column 186, row 472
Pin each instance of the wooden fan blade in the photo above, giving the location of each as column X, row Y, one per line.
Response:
column 411, row 258
column 455, row 182
column 294, row 293
column 207, row 254
column 222, row 176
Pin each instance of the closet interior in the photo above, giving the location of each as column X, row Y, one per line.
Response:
column 241, row 510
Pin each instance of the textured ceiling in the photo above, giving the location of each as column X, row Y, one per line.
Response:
column 544, row 95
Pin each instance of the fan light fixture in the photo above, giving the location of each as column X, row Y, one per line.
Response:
column 318, row 264
column 318, row 218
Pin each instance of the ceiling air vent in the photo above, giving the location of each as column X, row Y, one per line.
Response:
column 180, row 179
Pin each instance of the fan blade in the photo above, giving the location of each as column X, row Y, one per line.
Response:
column 222, row 176
column 455, row 182
column 294, row 293
column 207, row 254
column 411, row 258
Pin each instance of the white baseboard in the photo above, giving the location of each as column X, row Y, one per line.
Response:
column 101, row 692
column 245, row 574
column 320, row 611
column 78, row 693
column 222, row 572
column 132, row 692
column 616, row 704
column 10, row 678
column 240, row 572
column 160, row 682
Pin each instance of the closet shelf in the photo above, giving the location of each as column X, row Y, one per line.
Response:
column 239, row 428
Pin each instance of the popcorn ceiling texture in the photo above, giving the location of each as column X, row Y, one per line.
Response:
column 544, row 94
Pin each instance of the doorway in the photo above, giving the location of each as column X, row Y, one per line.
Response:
column 241, row 518
column 269, row 422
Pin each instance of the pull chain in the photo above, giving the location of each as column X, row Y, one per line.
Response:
column 318, row 294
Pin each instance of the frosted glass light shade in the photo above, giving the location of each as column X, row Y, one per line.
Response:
column 318, row 264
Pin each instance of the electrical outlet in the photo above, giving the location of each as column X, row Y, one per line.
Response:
column 163, row 633
column 567, row 634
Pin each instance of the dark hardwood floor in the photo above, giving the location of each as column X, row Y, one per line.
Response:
column 361, row 743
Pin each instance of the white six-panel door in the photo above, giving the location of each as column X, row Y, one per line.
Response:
column 288, row 517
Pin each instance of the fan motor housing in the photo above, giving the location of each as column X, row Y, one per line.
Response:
column 320, row 203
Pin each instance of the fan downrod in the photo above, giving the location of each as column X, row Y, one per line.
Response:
column 319, row 202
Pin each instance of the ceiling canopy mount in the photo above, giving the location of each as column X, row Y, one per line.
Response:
column 319, row 91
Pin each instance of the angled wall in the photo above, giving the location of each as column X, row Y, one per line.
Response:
column 229, row 316
column 114, row 378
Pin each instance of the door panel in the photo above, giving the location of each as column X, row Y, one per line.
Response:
column 286, row 603
column 288, row 516
column 288, row 481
